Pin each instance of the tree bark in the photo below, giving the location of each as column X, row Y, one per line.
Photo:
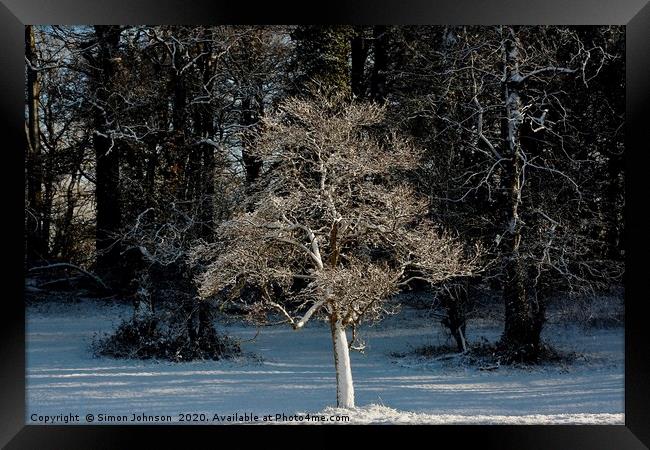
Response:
column 359, row 52
column 456, row 320
column 209, row 166
column 107, row 155
column 249, row 118
column 204, row 319
column 179, row 124
column 520, row 336
column 36, row 245
column 378, row 80
column 344, row 386
column 207, row 200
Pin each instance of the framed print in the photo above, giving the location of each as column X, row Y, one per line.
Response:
column 376, row 213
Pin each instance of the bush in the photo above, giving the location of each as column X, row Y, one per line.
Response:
column 597, row 311
column 146, row 338
column 485, row 355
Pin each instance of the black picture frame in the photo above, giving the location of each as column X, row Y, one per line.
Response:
column 634, row 14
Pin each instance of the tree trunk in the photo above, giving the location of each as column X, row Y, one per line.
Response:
column 359, row 51
column 249, row 119
column 209, row 163
column 36, row 245
column 344, row 386
column 107, row 201
column 378, row 80
column 179, row 117
column 520, row 336
column 107, row 155
column 178, row 152
column 64, row 232
column 48, row 203
column 456, row 320
column 204, row 319
column 208, row 193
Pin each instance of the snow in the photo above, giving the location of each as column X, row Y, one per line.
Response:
column 379, row 414
column 294, row 373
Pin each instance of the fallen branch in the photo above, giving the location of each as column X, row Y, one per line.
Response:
column 448, row 356
column 71, row 266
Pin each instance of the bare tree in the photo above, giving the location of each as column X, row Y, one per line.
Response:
column 506, row 142
column 334, row 211
column 104, row 64
column 36, row 240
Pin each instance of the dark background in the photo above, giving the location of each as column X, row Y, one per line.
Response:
column 633, row 13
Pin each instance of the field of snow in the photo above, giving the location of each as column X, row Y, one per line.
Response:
column 293, row 373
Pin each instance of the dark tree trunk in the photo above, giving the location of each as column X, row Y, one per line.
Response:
column 359, row 52
column 207, row 202
column 204, row 320
column 208, row 159
column 380, row 49
column 455, row 303
column 250, row 116
column 107, row 199
column 64, row 239
column 48, row 201
column 36, row 245
column 107, row 153
column 522, row 329
column 179, row 117
column 177, row 154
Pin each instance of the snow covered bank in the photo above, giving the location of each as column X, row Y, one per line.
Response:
column 378, row 415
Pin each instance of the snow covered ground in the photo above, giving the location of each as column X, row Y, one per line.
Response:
column 295, row 375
